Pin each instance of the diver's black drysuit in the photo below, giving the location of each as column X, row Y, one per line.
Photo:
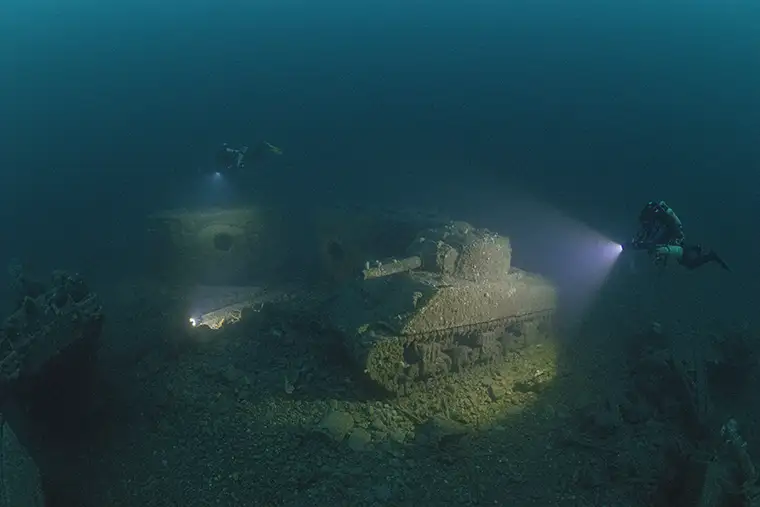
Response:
column 661, row 235
column 228, row 158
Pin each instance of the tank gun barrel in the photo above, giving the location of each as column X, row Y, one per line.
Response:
column 391, row 267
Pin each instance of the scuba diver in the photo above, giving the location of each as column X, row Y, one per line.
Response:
column 661, row 235
column 229, row 159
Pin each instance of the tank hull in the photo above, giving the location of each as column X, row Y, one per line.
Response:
column 407, row 328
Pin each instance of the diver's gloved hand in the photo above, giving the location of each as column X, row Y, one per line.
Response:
column 635, row 245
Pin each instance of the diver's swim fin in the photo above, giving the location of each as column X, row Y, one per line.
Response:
column 272, row 148
column 713, row 257
column 720, row 261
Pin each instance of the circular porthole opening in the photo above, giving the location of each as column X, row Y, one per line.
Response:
column 223, row 241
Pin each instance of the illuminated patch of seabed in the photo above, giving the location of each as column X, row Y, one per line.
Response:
column 481, row 399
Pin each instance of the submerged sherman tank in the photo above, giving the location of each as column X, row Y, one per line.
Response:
column 454, row 302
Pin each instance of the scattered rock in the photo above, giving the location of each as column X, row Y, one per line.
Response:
column 336, row 425
column 232, row 375
column 379, row 425
column 602, row 420
column 360, row 440
column 398, row 436
column 536, row 383
column 289, row 386
column 588, row 476
column 382, row 493
column 439, row 429
column 634, row 410
column 496, row 391
column 514, row 410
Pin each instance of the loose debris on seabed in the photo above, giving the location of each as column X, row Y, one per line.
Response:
column 268, row 413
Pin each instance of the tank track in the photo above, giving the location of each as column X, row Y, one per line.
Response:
column 401, row 363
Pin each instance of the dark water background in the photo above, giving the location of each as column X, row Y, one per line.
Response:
column 107, row 109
